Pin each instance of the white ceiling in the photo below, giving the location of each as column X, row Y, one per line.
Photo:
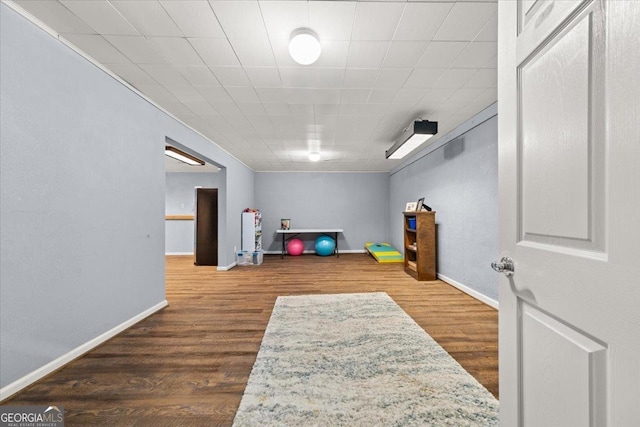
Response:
column 223, row 68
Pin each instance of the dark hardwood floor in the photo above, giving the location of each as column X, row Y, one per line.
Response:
column 188, row 364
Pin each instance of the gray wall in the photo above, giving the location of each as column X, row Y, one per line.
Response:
column 356, row 202
column 460, row 182
column 82, row 200
column 180, row 200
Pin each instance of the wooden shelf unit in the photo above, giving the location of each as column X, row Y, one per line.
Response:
column 420, row 245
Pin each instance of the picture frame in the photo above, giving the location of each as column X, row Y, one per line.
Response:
column 410, row 207
column 419, row 204
column 285, row 224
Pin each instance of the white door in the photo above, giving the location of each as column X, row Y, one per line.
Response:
column 569, row 182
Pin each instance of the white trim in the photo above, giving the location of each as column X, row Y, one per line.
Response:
column 472, row 292
column 27, row 380
column 227, row 267
column 178, row 253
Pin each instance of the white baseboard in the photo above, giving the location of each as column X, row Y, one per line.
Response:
column 227, row 267
column 472, row 292
column 19, row 384
column 342, row 251
column 178, row 253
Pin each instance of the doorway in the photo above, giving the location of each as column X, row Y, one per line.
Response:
column 206, row 227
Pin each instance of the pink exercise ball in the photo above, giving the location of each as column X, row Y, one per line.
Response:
column 295, row 247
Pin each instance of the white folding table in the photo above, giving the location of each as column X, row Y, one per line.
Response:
column 331, row 232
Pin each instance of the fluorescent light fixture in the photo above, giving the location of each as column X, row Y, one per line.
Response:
column 174, row 153
column 304, row 46
column 411, row 138
column 314, row 157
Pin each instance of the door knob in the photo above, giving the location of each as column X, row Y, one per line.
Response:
column 504, row 266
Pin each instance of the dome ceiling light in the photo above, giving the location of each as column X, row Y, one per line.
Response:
column 304, row 46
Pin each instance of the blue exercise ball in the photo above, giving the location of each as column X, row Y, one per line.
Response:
column 325, row 245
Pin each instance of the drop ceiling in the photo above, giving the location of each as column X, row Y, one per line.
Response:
column 223, row 68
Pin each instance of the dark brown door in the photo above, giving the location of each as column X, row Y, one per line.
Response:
column 206, row 250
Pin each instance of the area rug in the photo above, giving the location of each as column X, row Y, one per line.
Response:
column 357, row 360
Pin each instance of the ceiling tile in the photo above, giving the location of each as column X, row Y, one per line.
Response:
column 148, row 17
column 263, row 76
column 298, row 96
column 282, row 17
column 404, row 54
column 376, row 21
column 56, row 16
column 492, row 63
column 454, row 78
column 382, row 96
column 101, row 16
column 474, row 107
column 240, row 19
column 490, row 31
column 214, row 94
column 332, row 20
column 252, row 109
column 137, row 49
column 420, row 21
column 487, row 77
column 409, row 95
column 215, row 52
column 325, row 110
column 242, row 94
column 476, row 55
column 438, row 96
column 360, row 77
column 276, row 109
column 158, row 93
column 231, row 76
column 441, row 54
column 352, row 109
column 186, row 93
column 97, row 47
column 489, row 95
column 164, row 74
column 392, row 77
column 461, row 98
column 177, row 51
column 354, row 96
column 325, row 96
column 231, row 112
column 465, row 21
column 366, row 54
column 200, row 107
column 199, row 75
column 424, row 77
column 253, row 52
column 376, row 109
column 272, row 95
column 334, row 54
column 194, row 18
column 312, row 77
column 176, row 108
column 132, row 74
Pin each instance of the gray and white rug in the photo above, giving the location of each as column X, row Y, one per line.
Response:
column 357, row 360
